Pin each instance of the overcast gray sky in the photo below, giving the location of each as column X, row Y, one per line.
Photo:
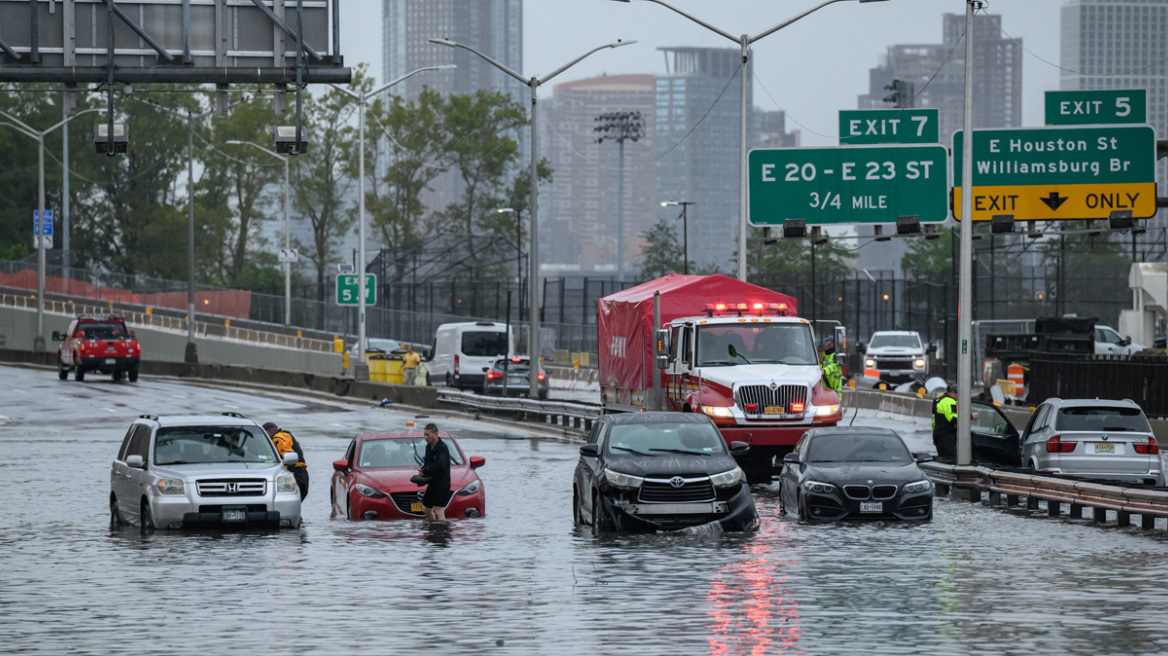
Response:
column 812, row 68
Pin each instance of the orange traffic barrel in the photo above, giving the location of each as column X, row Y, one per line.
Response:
column 1016, row 375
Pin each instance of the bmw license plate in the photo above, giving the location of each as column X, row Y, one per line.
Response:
column 234, row 515
column 773, row 410
column 871, row 506
column 1104, row 447
column 110, row 360
column 416, row 506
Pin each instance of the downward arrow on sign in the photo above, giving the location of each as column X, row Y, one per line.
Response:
column 1054, row 201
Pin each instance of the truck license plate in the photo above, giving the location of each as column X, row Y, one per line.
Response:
column 235, row 515
column 773, row 410
column 871, row 506
column 110, row 360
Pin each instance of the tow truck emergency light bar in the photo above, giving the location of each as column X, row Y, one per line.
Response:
column 713, row 309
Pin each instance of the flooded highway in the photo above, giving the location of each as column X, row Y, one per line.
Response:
column 522, row 579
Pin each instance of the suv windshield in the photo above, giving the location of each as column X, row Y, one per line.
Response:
column 755, row 343
column 401, row 452
column 858, row 448
column 1103, row 419
column 185, row 445
column 645, row 439
column 896, row 341
column 481, row 343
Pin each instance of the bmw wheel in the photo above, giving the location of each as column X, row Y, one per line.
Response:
column 577, row 512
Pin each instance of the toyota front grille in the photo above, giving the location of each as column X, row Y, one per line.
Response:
column 676, row 490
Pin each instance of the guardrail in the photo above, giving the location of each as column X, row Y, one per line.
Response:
column 569, row 414
column 1077, row 495
column 170, row 322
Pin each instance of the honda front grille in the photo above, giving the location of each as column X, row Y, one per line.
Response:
column 232, row 487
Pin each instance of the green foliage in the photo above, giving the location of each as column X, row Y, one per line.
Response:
column 930, row 259
column 789, row 260
column 662, row 252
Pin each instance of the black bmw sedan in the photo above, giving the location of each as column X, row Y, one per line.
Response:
column 650, row 471
column 855, row 472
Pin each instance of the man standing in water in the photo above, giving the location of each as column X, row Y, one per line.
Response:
column 436, row 465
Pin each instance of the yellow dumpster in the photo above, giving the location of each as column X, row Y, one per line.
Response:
column 376, row 367
column 393, row 372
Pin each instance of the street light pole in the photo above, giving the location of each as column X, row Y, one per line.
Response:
column 38, row 344
column 360, row 368
column 518, row 257
column 287, row 222
column 965, row 266
column 744, row 41
column 684, row 229
column 533, row 83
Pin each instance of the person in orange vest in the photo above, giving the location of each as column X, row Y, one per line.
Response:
column 285, row 442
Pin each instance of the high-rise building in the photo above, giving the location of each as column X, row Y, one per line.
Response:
column 493, row 27
column 697, row 137
column 1120, row 44
column 579, row 210
column 937, row 73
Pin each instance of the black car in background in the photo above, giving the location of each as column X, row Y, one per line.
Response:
column 855, row 473
column 512, row 377
column 651, row 471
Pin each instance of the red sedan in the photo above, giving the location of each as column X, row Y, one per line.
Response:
column 373, row 479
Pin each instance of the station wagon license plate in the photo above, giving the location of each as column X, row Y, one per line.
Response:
column 773, row 410
column 235, row 515
column 1104, row 447
column 416, row 506
column 871, row 506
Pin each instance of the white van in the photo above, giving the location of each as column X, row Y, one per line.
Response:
column 464, row 351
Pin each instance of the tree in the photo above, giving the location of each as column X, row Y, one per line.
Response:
column 321, row 182
column 930, row 259
column 789, row 260
column 662, row 253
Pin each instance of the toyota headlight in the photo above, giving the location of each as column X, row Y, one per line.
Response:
column 717, row 411
column 816, row 486
column 618, row 479
column 826, row 410
column 727, row 478
column 170, row 486
column 870, row 363
column 919, row 363
column 920, row 486
column 469, row 489
column 286, row 483
column 371, row 492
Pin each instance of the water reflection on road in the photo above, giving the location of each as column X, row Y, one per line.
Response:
column 523, row 580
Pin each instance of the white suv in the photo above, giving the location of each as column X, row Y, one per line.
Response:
column 183, row 471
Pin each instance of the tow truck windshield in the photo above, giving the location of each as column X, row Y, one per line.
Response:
column 770, row 343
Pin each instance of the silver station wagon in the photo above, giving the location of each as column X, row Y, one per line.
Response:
column 1092, row 438
column 215, row 470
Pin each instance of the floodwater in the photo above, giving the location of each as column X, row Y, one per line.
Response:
column 523, row 580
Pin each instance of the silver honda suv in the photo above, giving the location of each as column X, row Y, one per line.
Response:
column 182, row 471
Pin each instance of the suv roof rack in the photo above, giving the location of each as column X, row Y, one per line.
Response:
column 232, row 414
column 154, row 417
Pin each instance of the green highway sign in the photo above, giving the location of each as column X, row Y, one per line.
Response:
column 873, row 184
column 859, row 127
column 348, row 289
column 1096, row 107
column 1044, row 174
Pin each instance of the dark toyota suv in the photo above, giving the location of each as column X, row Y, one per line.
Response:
column 650, row 471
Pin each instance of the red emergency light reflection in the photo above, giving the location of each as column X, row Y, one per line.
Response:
column 751, row 609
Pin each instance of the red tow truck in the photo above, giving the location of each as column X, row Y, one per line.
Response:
column 731, row 350
column 97, row 343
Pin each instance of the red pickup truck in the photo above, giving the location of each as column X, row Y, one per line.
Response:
column 97, row 343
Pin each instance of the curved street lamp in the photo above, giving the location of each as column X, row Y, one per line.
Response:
column 533, row 83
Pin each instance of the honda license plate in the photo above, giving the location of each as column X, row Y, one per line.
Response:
column 773, row 410
column 1104, row 447
column 871, row 506
column 416, row 506
column 234, row 515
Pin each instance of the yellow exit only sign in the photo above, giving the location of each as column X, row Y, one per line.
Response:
column 1057, row 202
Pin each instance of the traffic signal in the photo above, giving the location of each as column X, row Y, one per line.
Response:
column 902, row 93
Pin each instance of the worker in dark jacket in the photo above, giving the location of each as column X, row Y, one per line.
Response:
column 286, row 442
column 436, row 465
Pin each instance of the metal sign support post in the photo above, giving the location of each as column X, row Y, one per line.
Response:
column 965, row 270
